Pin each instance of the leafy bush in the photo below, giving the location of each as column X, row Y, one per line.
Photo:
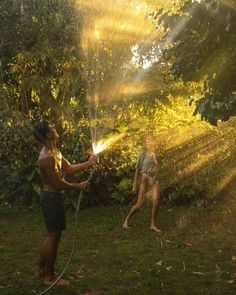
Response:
column 19, row 173
column 184, row 193
column 122, row 191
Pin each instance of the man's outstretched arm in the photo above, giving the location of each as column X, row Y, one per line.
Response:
column 71, row 169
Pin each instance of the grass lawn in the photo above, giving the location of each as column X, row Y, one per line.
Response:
column 194, row 254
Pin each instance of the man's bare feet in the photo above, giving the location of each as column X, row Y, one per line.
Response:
column 40, row 272
column 61, row 282
column 125, row 225
column 155, row 228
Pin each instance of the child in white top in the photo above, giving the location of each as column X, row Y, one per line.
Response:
column 146, row 183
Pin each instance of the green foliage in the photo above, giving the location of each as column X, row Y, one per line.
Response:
column 184, row 193
column 43, row 76
column 19, row 174
column 40, row 56
column 122, row 191
column 203, row 38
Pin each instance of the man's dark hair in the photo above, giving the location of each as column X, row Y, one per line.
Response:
column 40, row 131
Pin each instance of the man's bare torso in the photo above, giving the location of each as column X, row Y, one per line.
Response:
column 50, row 165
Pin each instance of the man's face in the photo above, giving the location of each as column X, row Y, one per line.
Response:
column 52, row 134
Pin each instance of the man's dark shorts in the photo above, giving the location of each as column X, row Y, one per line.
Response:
column 53, row 211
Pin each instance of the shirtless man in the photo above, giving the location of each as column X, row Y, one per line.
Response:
column 52, row 166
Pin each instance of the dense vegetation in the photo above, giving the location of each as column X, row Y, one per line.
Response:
column 204, row 48
column 49, row 66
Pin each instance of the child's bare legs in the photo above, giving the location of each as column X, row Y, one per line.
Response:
column 155, row 203
column 140, row 201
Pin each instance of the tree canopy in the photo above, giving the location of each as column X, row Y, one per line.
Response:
column 40, row 56
column 203, row 37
